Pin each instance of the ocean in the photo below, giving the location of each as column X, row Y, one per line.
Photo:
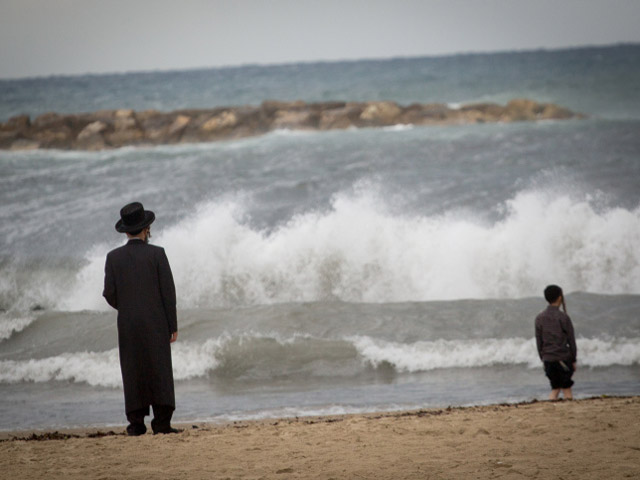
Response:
column 332, row 272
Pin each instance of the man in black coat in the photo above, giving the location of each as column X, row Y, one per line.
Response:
column 139, row 284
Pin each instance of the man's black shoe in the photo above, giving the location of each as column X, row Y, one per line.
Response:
column 136, row 430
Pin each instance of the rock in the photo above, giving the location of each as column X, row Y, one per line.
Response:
column 328, row 105
column 8, row 137
column 464, row 117
column 486, row 112
column 340, row 118
column 117, row 128
column 381, row 113
column 122, row 138
column 225, row 120
column 58, row 136
column 417, row 114
column 270, row 107
column 251, row 121
column 154, row 124
column 93, row 129
column 106, row 116
column 48, row 120
column 14, row 129
column 522, row 109
column 124, row 120
column 17, row 123
column 90, row 137
column 555, row 112
column 92, row 143
column 24, row 144
column 50, row 130
column 127, row 131
column 178, row 125
column 146, row 115
column 295, row 119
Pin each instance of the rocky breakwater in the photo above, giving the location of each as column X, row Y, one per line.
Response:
column 118, row 128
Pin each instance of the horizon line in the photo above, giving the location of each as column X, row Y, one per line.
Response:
column 322, row 61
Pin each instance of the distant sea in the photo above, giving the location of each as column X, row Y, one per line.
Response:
column 332, row 272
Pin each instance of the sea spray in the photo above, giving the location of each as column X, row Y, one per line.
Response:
column 86, row 292
column 360, row 251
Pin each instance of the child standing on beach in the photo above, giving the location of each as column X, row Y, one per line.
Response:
column 556, row 344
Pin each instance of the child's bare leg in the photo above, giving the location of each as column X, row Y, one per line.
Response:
column 554, row 394
column 567, row 393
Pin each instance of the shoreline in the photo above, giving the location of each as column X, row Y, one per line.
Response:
column 109, row 129
column 588, row 438
column 98, row 431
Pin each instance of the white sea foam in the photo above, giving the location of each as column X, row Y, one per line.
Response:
column 191, row 360
column 195, row 360
column 603, row 353
column 431, row 355
column 422, row 356
column 11, row 323
column 400, row 127
column 103, row 368
column 94, row 368
column 360, row 251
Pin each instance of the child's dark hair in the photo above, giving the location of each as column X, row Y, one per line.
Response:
column 553, row 293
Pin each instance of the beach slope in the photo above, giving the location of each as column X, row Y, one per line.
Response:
column 587, row 439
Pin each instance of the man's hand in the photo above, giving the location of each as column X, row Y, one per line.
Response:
column 174, row 337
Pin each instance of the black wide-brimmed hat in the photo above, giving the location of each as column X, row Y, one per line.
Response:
column 134, row 217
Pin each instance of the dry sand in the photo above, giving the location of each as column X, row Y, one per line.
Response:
column 585, row 439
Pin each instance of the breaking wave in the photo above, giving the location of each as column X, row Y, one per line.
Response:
column 423, row 356
column 254, row 356
column 359, row 250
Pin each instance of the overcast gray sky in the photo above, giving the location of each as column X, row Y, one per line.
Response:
column 45, row 37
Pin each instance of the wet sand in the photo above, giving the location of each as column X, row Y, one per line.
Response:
column 586, row 439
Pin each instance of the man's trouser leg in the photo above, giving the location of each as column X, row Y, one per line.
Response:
column 161, row 422
column 136, row 421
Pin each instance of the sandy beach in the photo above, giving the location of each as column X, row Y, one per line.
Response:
column 587, row 439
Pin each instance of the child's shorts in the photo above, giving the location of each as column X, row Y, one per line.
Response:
column 559, row 374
